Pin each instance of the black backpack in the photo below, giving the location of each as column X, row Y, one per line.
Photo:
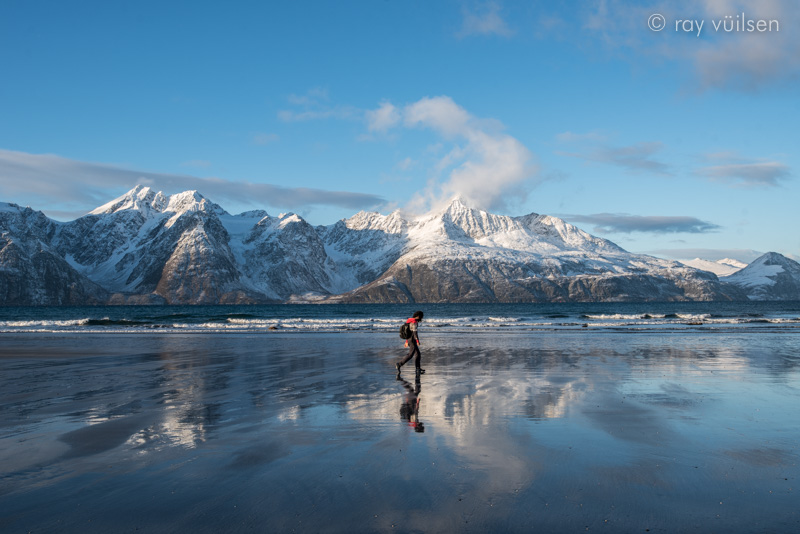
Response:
column 405, row 331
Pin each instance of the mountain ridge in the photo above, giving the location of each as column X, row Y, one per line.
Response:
column 771, row 276
column 148, row 247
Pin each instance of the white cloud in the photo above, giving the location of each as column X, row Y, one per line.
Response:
column 485, row 19
column 482, row 164
column 439, row 113
column 385, row 117
column 60, row 185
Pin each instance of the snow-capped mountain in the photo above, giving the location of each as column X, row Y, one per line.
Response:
column 31, row 271
column 723, row 267
column 769, row 277
column 148, row 247
column 185, row 249
column 466, row 255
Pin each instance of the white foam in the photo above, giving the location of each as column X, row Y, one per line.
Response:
column 43, row 324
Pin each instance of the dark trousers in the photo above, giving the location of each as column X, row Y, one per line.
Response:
column 413, row 350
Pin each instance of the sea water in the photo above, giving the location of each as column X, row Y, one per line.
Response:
column 387, row 317
column 660, row 417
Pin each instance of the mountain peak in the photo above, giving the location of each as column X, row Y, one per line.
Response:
column 771, row 276
column 459, row 220
column 458, row 204
column 191, row 201
column 771, row 258
column 142, row 198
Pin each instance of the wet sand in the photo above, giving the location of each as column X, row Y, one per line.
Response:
column 545, row 432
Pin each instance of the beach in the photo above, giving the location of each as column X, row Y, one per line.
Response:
column 548, row 431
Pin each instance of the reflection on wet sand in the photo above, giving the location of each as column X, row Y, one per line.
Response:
column 409, row 409
column 557, row 432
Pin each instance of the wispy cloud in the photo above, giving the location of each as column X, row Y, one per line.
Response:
column 718, row 59
column 484, row 19
column 315, row 105
column 74, row 187
column 609, row 223
column 482, row 164
column 735, row 170
column 263, row 139
column 405, row 164
column 289, row 115
column 312, row 97
column 750, row 60
column 637, row 158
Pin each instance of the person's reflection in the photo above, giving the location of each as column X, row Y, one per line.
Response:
column 409, row 410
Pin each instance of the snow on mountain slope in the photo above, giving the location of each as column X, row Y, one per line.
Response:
column 561, row 249
column 31, row 271
column 146, row 246
column 362, row 247
column 464, row 254
column 769, row 277
column 148, row 243
column 724, row 267
column 282, row 257
column 148, row 202
column 187, row 249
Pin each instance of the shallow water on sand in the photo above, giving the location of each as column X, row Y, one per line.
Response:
column 555, row 432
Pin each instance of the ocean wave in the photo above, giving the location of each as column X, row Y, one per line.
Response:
column 616, row 316
column 524, row 321
column 694, row 316
column 44, row 323
column 115, row 322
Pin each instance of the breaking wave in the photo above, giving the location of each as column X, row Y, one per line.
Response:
column 387, row 318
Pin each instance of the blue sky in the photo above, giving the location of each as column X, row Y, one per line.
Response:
column 679, row 142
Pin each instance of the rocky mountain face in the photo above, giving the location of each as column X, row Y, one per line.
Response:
column 147, row 247
column 32, row 272
column 468, row 255
column 769, row 277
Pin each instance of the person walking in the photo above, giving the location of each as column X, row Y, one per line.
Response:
column 413, row 344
